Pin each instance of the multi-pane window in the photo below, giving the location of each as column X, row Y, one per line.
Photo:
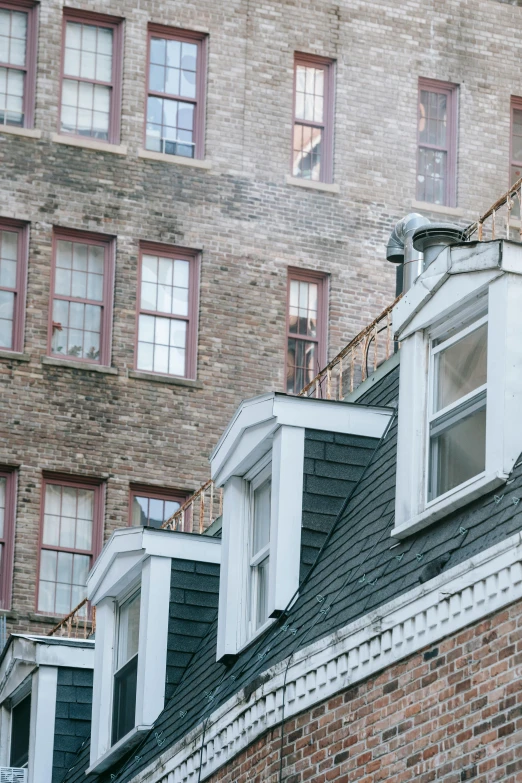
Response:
column 152, row 507
column 437, row 142
column 126, row 667
column 515, row 162
column 17, row 63
column 91, row 77
column 13, row 253
column 175, row 93
column 167, row 319
column 313, row 119
column 457, row 416
column 81, row 305
column 306, row 328
column 7, row 506
column 69, row 542
column 259, row 549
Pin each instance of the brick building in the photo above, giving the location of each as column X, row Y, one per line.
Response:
column 231, row 190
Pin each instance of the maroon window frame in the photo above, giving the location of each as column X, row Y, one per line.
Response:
column 313, row 118
column 515, row 147
column 306, row 344
column 152, row 359
column 7, row 527
column 177, row 145
column 114, row 85
column 160, row 494
column 62, row 543
column 28, row 68
column 78, row 303
column 437, row 142
column 13, row 279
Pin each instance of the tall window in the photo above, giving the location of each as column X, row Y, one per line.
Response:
column 151, row 506
column 17, row 63
column 312, row 149
column 7, row 514
column 175, row 92
column 126, row 668
column 71, row 529
column 20, row 730
column 82, row 297
column 437, row 142
column 457, row 419
column 260, row 499
column 515, row 155
column 91, row 84
column 13, row 264
column 306, row 327
column 167, row 320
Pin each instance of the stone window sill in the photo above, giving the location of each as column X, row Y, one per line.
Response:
column 19, row 357
column 89, row 144
column 86, row 366
column 179, row 159
column 425, row 206
column 28, row 133
column 308, row 184
column 171, row 380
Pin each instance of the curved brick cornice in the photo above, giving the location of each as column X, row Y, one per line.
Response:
column 463, row 595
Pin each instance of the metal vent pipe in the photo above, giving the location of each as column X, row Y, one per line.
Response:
column 400, row 248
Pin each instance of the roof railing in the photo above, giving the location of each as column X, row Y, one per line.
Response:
column 357, row 360
column 489, row 225
column 80, row 623
column 199, row 511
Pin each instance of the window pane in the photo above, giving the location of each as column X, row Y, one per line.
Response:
column 170, row 125
column 301, row 364
column 262, row 593
column 461, row 368
column 457, row 453
column 3, row 486
column 6, row 319
column 307, row 152
column 129, row 629
column 140, row 510
column 432, row 175
column 124, row 704
column 20, row 725
column 261, row 516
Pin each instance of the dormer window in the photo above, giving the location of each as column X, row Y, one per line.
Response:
column 126, row 672
column 457, row 417
column 20, row 724
column 259, row 546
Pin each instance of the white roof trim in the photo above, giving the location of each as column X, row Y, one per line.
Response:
column 461, row 596
column 122, row 556
column 250, row 432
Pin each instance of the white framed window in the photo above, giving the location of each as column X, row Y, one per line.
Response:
column 20, row 730
column 126, row 667
column 260, row 498
column 456, row 452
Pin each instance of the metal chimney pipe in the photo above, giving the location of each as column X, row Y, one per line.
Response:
column 431, row 240
column 400, row 249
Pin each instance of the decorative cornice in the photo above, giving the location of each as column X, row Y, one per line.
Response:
column 463, row 595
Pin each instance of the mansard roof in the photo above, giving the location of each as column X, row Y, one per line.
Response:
column 359, row 569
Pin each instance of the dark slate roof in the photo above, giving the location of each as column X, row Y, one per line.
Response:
column 358, row 546
column 73, row 717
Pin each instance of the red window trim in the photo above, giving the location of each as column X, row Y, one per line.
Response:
column 516, row 103
column 6, row 574
column 101, row 20
column 89, row 237
column 192, row 36
column 21, row 281
column 300, row 58
column 32, row 9
column 161, row 493
column 322, row 278
column 193, row 256
column 78, row 482
column 451, row 90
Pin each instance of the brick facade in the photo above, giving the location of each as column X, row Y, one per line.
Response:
column 451, row 713
column 247, row 222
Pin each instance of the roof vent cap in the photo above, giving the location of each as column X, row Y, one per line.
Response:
column 432, row 239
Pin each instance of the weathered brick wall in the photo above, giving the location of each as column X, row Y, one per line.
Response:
column 249, row 224
column 451, row 713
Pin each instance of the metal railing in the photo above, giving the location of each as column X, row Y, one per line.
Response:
column 199, row 511
column 78, row 624
column 489, row 225
column 357, row 360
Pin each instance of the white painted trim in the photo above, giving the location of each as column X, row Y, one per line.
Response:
column 101, row 726
column 119, row 749
column 43, row 715
column 463, row 595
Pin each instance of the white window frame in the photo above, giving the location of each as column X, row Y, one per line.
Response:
column 122, row 603
column 460, row 285
column 259, row 475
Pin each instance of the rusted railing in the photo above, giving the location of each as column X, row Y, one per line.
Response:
column 199, row 511
column 357, row 360
column 78, row 624
column 489, row 225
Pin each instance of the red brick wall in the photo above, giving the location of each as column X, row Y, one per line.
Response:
column 452, row 712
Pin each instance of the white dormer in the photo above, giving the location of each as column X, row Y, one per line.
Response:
column 460, row 393
column 130, row 588
column 259, row 462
